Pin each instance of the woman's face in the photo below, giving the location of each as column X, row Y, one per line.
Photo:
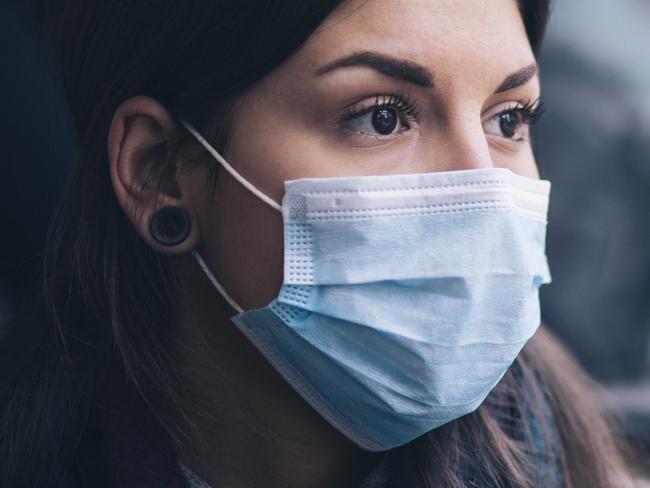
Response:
column 382, row 87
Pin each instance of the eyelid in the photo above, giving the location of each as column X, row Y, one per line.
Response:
column 498, row 108
column 397, row 100
column 532, row 104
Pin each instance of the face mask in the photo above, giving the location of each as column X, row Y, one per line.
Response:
column 405, row 297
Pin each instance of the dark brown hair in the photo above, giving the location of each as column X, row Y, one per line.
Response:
column 100, row 278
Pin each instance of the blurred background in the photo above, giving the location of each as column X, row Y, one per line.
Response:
column 593, row 144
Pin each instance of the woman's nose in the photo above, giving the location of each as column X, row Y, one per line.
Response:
column 459, row 144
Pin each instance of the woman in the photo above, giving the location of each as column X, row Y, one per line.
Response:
column 301, row 247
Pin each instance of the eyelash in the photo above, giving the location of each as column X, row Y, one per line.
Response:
column 398, row 101
column 530, row 113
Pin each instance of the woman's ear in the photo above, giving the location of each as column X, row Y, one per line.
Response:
column 145, row 175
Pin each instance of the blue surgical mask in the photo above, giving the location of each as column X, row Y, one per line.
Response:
column 405, row 297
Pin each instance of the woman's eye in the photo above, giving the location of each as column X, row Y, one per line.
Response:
column 382, row 116
column 512, row 123
column 381, row 121
column 508, row 125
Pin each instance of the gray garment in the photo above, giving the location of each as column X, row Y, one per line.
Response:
column 192, row 478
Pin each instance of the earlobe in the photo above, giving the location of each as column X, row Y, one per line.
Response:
column 144, row 176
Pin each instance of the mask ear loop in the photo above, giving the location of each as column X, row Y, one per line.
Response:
column 246, row 184
column 269, row 201
column 214, row 281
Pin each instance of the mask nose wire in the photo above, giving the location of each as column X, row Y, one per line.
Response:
column 215, row 154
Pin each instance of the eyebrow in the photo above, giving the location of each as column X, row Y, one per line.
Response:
column 386, row 65
column 414, row 73
column 518, row 79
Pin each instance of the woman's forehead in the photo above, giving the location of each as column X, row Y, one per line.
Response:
column 448, row 37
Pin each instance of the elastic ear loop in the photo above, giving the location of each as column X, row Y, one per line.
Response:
column 214, row 281
column 269, row 201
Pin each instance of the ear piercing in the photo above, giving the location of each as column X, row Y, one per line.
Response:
column 170, row 226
